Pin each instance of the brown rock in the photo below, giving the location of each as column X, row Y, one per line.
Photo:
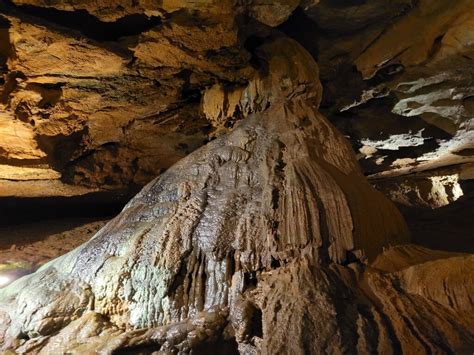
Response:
column 250, row 233
column 87, row 109
column 268, row 239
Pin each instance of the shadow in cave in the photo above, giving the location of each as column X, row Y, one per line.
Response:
column 26, row 220
column 302, row 29
column 14, row 210
column 448, row 228
column 87, row 24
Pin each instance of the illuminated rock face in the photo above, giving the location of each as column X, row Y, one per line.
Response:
column 104, row 97
column 252, row 243
column 267, row 239
column 107, row 96
column 408, row 107
column 107, row 105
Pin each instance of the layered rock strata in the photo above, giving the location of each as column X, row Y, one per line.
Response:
column 107, row 96
column 258, row 242
column 408, row 108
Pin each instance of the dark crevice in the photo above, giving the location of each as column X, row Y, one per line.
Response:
column 221, row 346
column 250, row 280
column 275, row 263
column 50, row 93
column 4, row 23
column 5, row 48
column 304, row 30
column 31, row 163
column 256, row 324
column 189, row 93
column 435, row 47
column 386, row 73
column 138, row 350
column 87, row 24
column 11, row 83
column 236, row 116
column 251, row 44
column 61, row 148
column 466, row 152
column 15, row 211
column 447, row 228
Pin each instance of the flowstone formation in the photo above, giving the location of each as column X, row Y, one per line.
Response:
column 258, row 242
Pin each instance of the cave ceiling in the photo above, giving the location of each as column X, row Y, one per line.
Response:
column 104, row 98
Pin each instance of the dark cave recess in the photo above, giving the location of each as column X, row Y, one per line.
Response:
column 15, row 211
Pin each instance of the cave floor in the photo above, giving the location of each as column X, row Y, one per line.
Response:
column 36, row 243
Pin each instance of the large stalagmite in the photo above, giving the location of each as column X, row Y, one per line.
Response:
column 256, row 242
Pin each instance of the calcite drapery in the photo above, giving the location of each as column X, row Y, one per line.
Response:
column 243, row 241
column 280, row 186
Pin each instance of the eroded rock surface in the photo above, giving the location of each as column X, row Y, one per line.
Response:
column 254, row 243
column 107, row 96
column 408, row 106
column 108, row 105
column 268, row 239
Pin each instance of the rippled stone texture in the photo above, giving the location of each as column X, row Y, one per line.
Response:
column 256, row 242
column 107, row 96
column 107, row 105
